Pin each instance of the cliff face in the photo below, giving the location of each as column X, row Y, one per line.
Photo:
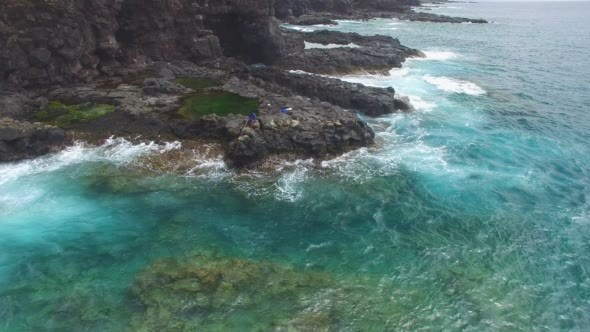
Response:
column 52, row 41
column 48, row 40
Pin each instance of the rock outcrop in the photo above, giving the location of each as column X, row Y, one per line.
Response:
column 307, row 12
column 307, row 129
column 149, row 109
column 357, row 54
column 369, row 100
column 297, row 8
column 21, row 139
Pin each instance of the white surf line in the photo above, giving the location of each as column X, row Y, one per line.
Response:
column 309, row 45
column 454, row 85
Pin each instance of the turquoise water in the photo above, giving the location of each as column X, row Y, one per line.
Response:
column 471, row 213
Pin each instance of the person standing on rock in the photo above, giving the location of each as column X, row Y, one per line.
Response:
column 251, row 119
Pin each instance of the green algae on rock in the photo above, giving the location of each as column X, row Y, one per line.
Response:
column 61, row 114
column 216, row 102
column 197, row 83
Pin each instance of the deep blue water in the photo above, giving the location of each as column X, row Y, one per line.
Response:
column 471, row 213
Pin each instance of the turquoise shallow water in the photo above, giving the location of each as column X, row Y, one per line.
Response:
column 471, row 213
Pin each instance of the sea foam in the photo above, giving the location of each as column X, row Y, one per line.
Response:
column 454, row 85
column 118, row 151
column 421, row 104
column 439, row 55
column 309, row 45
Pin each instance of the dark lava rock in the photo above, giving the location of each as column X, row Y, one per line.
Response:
column 369, row 12
column 371, row 54
column 403, row 104
column 311, row 20
column 428, row 17
column 307, row 129
column 21, row 140
column 369, row 100
column 287, row 8
column 47, row 42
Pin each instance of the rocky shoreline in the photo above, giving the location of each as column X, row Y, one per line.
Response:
column 193, row 75
column 314, row 18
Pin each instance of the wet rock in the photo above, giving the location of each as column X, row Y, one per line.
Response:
column 403, row 104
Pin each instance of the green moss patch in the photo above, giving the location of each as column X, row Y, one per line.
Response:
column 197, row 83
column 216, row 102
column 61, row 114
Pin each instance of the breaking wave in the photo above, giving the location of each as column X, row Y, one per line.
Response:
column 118, row 151
column 454, row 85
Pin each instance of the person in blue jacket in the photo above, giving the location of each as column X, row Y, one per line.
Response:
column 251, row 119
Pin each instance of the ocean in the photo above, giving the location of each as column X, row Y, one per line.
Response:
column 471, row 213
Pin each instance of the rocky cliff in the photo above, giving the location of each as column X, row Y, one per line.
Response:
column 179, row 69
column 53, row 41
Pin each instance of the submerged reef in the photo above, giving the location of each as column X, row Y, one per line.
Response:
column 209, row 293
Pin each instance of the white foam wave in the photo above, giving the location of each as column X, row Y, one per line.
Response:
column 302, row 72
column 301, row 28
column 350, row 21
column 376, row 80
column 289, row 186
column 454, row 85
column 118, row 151
column 209, row 164
column 437, row 56
column 399, row 72
column 421, row 104
column 309, row 45
column 319, row 246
